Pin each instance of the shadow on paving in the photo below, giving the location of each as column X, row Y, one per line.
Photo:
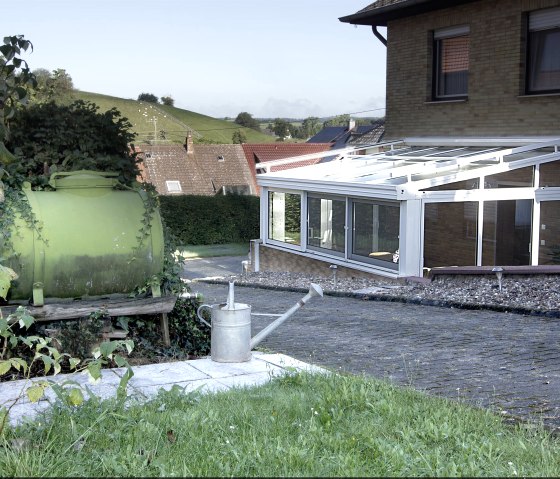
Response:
column 502, row 361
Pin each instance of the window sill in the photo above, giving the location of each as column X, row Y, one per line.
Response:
column 538, row 95
column 439, row 102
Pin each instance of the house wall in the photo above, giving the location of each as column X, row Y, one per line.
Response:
column 271, row 259
column 496, row 104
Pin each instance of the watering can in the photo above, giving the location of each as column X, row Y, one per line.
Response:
column 231, row 340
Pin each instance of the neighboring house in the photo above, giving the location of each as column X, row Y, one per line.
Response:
column 278, row 156
column 470, row 172
column 351, row 135
column 196, row 169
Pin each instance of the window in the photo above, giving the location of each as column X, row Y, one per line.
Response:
column 375, row 233
column 451, row 63
column 543, row 59
column 326, row 223
column 284, row 217
column 173, row 186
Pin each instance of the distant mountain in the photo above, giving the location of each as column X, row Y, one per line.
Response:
column 170, row 124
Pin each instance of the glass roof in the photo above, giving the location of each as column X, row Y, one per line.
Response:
column 418, row 166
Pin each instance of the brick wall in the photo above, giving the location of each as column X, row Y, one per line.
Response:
column 496, row 105
column 271, row 259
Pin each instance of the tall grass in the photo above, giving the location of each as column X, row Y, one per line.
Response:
column 298, row 425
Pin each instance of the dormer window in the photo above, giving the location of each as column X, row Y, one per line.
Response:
column 451, row 63
column 221, row 158
column 543, row 57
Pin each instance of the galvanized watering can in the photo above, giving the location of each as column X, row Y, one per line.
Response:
column 231, row 340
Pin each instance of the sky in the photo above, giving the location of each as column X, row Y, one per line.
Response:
column 271, row 58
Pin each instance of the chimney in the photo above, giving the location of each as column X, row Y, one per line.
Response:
column 351, row 124
column 189, row 145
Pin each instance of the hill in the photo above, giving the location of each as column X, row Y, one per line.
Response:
column 171, row 123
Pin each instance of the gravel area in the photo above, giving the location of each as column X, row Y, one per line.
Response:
column 537, row 294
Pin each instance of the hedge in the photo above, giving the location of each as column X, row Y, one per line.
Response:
column 205, row 220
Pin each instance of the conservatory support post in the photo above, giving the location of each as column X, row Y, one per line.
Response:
column 410, row 241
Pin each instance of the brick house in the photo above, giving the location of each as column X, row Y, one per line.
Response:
column 196, row 169
column 470, row 172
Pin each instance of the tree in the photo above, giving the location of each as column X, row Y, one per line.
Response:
column 309, row 127
column 167, row 100
column 238, row 137
column 49, row 137
column 148, row 97
column 246, row 119
column 339, row 120
column 282, row 128
column 15, row 79
column 56, row 86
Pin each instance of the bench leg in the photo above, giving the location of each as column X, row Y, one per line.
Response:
column 164, row 325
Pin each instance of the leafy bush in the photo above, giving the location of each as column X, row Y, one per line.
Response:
column 197, row 220
column 189, row 337
column 48, row 138
column 149, row 97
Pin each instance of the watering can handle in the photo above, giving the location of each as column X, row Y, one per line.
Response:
column 200, row 317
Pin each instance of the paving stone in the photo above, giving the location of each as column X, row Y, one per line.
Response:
column 492, row 359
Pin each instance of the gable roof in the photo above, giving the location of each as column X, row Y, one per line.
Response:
column 340, row 136
column 380, row 12
column 264, row 152
column 206, row 170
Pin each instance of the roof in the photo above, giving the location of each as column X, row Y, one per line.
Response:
column 266, row 152
column 412, row 168
column 207, row 170
column 340, row 136
column 380, row 12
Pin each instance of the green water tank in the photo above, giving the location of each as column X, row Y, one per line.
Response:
column 89, row 241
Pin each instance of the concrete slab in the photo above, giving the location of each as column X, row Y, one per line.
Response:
column 203, row 375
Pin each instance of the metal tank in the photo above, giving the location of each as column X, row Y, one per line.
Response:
column 88, row 243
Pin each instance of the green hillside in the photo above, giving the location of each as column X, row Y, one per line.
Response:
column 148, row 119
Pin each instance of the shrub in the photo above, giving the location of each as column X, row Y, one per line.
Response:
column 197, row 220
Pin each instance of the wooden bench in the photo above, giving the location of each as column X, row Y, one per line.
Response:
column 61, row 309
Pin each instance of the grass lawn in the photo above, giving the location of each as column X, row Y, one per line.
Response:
column 206, row 251
column 298, row 425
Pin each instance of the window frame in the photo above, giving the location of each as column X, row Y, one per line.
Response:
column 328, row 251
column 174, row 183
column 551, row 26
column 438, row 37
column 352, row 226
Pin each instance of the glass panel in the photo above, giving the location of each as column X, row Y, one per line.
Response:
column 326, row 221
column 521, row 178
column 544, row 61
column 450, row 231
column 550, row 174
column 284, row 214
column 506, row 234
column 375, row 232
column 459, row 185
column 452, row 66
column 549, row 248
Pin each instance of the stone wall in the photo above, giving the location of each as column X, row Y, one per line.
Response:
column 272, row 259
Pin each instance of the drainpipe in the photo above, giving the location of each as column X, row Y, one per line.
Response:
column 378, row 35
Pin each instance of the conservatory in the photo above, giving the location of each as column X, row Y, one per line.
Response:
column 420, row 203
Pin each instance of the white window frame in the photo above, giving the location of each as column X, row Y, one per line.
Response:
column 173, row 186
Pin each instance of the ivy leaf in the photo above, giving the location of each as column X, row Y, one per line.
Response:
column 74, row 362
column 6, row 277
column 75, row 397
column 94, row 370
column 5, row 366
column 37, row 391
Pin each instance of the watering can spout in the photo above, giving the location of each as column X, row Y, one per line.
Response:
column 314, row 290
column 230, row 305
